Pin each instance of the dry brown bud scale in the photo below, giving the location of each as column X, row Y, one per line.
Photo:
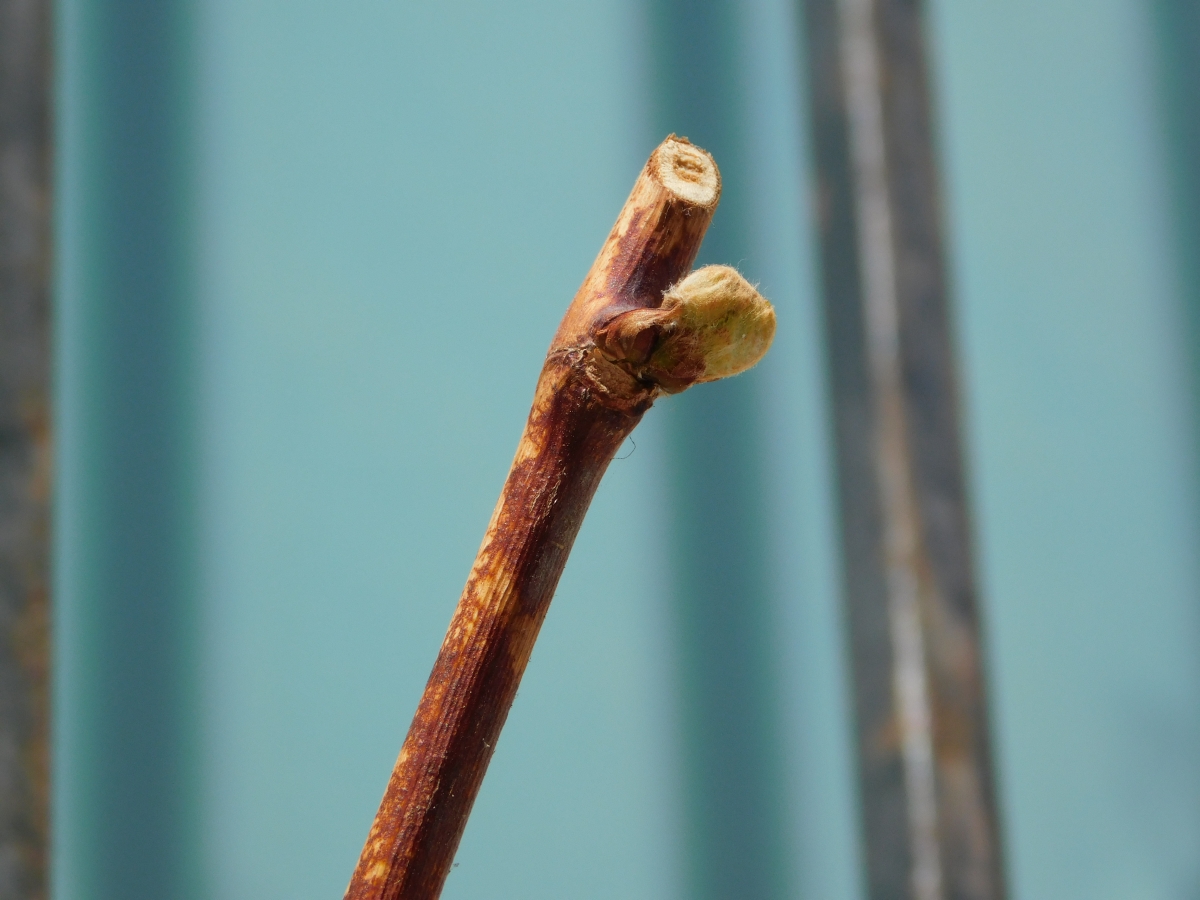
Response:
column 640, row 326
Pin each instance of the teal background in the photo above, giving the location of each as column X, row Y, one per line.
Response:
column 309, row 259
column 1077, row 356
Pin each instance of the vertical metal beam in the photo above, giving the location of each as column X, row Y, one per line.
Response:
column 734, row 822
column 928, row 803
column 127, row 761
column 1177, row 29
column 25, row 193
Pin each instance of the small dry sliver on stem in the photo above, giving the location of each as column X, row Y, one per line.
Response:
column 640, row 326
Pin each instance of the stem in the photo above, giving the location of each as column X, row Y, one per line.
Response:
column 586, row 403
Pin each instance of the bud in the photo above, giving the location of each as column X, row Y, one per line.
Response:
column 711, row 325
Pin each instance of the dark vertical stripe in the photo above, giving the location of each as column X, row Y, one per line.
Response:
column 1178, row 33
column 25, row 193
column 880, row 779
column 133, row 600
column 929, row 811
column 722, row 600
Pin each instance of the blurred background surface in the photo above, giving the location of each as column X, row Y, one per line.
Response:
column 309, row 257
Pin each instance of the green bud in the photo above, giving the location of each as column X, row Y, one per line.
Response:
column 711, row 325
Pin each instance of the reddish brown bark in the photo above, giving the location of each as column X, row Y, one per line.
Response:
column 586, row 403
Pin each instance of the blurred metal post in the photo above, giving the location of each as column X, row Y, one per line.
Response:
column 25, row 169
column 928, row 802
column 731, row 751
column 1178, row 44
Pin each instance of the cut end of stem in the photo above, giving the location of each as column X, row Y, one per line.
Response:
column 687, row 171
column 711, row 325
